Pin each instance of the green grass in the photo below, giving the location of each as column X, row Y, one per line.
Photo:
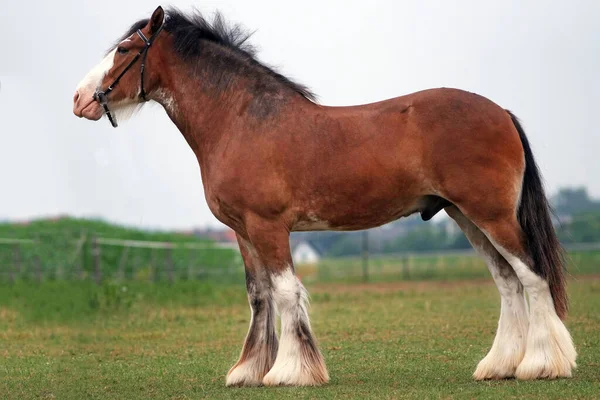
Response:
column 399, row 340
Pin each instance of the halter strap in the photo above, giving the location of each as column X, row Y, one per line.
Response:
column 101, row 95
column 144, row 55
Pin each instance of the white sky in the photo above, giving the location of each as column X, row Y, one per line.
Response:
column 540, row 61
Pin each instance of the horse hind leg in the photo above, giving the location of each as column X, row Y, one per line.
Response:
column 550, row 352
column 508, row 348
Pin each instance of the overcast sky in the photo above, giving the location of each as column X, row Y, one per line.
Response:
column 540, row 61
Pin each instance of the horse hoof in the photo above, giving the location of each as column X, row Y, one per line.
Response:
column 495, row 368
column 287, row 376
column 243, row 375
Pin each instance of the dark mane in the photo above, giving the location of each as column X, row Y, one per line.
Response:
column 190, row 31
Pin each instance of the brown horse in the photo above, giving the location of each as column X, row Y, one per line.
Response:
column 273, row 161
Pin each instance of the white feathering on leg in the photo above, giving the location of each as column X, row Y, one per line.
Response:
column 550, row 352
column 292, row 366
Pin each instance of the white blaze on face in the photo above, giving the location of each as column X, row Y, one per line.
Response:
column 93, row 79
column 122, row 109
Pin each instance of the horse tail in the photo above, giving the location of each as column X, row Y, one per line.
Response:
column 540, row 237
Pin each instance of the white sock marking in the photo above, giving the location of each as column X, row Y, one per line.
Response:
column 549, row 351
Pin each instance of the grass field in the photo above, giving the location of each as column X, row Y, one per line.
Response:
column 385, row 340
column 420, row 267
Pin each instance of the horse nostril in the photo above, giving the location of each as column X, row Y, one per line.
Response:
column 76, row 96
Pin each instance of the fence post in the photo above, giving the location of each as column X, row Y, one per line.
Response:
column 96, row 256
column 191, row 264
column 135, row 263
column 405, row 267
column 170, row 264
column 121, row 271
column 190, row 271
column 38, row 269
column 16, row 271
column 365, row 255
column 79, row 258
column 152, row 275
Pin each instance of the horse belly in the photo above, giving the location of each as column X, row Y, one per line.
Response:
column 357, row 215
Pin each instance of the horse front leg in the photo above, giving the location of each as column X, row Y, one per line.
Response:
column 298, row 362
column 260, row 346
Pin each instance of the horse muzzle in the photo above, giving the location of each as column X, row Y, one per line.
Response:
column 86, row 107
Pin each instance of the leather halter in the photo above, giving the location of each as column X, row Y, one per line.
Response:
column 101, row 95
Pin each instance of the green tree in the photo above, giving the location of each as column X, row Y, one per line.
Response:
column 570, row 201
column 583, row 228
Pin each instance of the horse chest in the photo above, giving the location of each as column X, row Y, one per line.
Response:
column 222, row 205
column 225, row 212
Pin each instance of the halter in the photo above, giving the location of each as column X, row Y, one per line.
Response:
column 101, row 95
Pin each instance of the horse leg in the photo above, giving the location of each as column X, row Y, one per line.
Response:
column 509, row 345
column 298, row 362
column 260, row 347
column 549, row 350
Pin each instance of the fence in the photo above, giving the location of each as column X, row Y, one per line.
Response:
column 98, row 258
column 101, row 258
column 582, row 259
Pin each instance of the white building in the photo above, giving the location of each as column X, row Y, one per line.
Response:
column 304, row 253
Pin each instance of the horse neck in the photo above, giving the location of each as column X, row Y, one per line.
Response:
column 191, row 108
column 207, row 114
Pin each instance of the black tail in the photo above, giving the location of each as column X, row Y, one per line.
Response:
column 534, row 216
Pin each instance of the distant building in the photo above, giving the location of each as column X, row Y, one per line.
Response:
column 305, row 253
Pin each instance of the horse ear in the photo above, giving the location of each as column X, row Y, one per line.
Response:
column 157, row 19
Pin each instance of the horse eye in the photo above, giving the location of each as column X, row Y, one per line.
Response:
column 122, row 50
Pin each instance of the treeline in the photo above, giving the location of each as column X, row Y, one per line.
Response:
column 581, row 228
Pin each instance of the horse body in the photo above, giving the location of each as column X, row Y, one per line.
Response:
column 272, row 162
column 353, row 150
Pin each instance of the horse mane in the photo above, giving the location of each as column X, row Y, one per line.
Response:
column 189, row 31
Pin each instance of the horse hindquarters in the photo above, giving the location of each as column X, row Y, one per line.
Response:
column 519, row 227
